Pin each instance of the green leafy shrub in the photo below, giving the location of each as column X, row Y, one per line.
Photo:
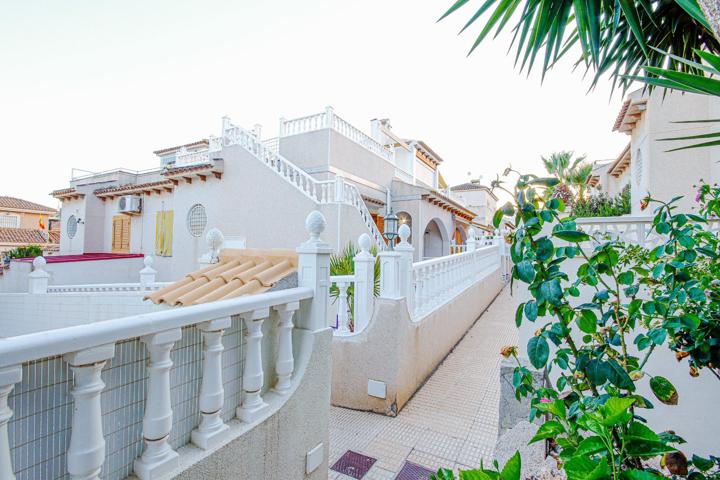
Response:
column 602, row 205
column 511, row 471
column 29, row 251
column 593, row 410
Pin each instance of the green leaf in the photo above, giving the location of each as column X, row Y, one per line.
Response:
column 692, row 8
column 590, row 446
column 551, row 291
column 538, row 351
column 615, row 410
column 701, row 463
column 549, row 429
column 640, row 431
column 544, row 249
column 531, row 310
column 511, row 470
column 525, row 271
column 664, row 390
column 474, row 475
column 443, row 474
column 640, row 475
column 497, row 218
column 581, row 467
column 596, row 371
column 519, row 315
column 626, row 278
column 572, row 236
column 618, row 376
column 587, row 321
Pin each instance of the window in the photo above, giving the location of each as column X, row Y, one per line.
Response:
column 196, row 220
column 10, row 221
column 71, row 226
column 164, row 233
column 121, row 234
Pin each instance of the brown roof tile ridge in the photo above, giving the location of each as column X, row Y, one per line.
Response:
column 275, row 273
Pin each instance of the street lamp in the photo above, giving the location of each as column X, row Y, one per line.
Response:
column 391, row 229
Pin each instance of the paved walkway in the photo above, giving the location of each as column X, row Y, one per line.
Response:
column 451, row 422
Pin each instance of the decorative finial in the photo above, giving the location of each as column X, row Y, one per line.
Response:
column 148, row 261
column 365, row 243
column 315, row 224
column 472, row 233
column 39, row 262
column 404, row 233
column 214, row 238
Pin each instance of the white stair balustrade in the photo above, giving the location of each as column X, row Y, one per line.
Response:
column 253, row 376
column 212, row 394
column 158, row 458
column 352, row 197
column 364, row 284
column 86, row 454
column 285, row 363
column 9, row 376
column 406, row 263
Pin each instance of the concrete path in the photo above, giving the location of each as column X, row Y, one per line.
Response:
column 451, row 422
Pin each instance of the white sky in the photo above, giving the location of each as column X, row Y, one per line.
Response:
column 101, row 84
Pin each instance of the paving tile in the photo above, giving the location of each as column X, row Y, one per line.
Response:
column 471, row 453
column 429, row 461
column 377, row 473
column 439, row 444
column 390, row 455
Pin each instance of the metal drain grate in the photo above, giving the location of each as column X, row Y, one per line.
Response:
column 354, row 464
column 411, row 471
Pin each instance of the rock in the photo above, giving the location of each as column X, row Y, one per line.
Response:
column 534, row 464
column 511, row 409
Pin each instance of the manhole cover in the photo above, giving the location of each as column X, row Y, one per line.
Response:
column 411, row 471
column 353, row 464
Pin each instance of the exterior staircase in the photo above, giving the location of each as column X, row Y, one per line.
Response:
column 337, row 191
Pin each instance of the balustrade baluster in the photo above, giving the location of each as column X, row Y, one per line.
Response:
column 9, row 376
column 342, row 308
column 86, row 453
column 158, row 458
column 285, row 363
column 212, row 393
column 253, row 377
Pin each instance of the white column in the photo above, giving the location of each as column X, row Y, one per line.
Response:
column 314, row 273
column 329, row 113
column 38, row 278
column 9, row 376
column 285, row 362
column 86, row 453
column 471, row 240
column 212, row 393
column 158, row 458
column 253, row 377
column 339, row 189
column 281, row 129
column 364, row 283
column 342, row 308
column 406, row 266
column 390, row 264
column 147, row 274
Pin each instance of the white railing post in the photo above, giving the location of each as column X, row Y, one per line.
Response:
column 158, row 458
column 9, row 376
column 364, row 283
column 212, row 393
column 285, row 363
column 471, row 241
column 281, row 129
column 339, row 189
column 253, row 377
column 38, row 278
column 329, row 113
column 390, row 265
column 86, row 453
column 314, row 273
column 406, row 264
column 147, row 274
column 342, row 306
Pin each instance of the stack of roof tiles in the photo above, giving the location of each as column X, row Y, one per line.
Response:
column 238, row 273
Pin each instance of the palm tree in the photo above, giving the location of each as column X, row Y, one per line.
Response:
column 571, row 173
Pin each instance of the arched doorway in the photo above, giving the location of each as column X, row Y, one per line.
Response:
column 435, row 239
column 459, row 239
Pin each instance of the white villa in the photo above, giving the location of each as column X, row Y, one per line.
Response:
column 645, row 163
column 248, row 187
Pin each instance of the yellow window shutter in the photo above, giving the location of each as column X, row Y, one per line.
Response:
column 168, row 237
column 158, row 233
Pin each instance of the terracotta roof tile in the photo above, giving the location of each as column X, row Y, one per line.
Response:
column 20, row 204
column 186, row 169
column 133, row 187
column 239, row 272
column 24, row 236
column 200, row 143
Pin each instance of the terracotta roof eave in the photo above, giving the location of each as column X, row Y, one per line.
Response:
column 625, row 152
column 454, row 206
column 132, row 188
column 20, row 205
column 429, row 150
column 375, row 201
column 200, row 143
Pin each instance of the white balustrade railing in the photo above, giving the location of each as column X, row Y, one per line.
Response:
column 273, row 144
column 343, row 282
column 185, row 158
column 329, row 119
column 633, row 229
column 320, row 191
column 107, row 287
column 67, row 385
column 438, row 280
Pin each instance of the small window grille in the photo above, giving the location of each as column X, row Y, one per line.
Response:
column 71, row 226
column 196, row 220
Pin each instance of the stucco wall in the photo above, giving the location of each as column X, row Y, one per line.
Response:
column 402, row 353
column 694, row 418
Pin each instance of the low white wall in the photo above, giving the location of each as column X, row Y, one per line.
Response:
column 401, row 353
column 694, row 417
column 23, row 313
column 119, row 270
